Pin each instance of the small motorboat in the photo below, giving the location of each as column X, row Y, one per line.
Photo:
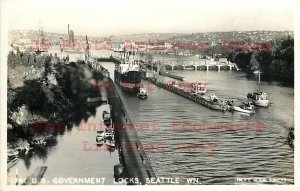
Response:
column 244, row 108
column 109, row 139
column 109, row 135
column 110, row 142
column 106, row 118
column 259, row 98
column 143, row 94
column 100, row 137
column 99, row 141
column 106, row 115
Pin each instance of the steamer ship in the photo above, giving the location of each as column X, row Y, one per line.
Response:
column 127, row 72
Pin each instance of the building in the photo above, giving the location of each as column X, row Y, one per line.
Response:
column 71, row 35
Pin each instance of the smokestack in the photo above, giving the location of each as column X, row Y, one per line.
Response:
column 68, row 30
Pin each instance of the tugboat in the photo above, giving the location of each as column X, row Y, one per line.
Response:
column 244, row 108
column 143, row 94
column 259, row 98
column 198, row 88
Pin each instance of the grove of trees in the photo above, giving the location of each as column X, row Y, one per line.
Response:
column 276, row 63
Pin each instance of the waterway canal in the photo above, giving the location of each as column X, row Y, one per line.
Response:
column 196, row 142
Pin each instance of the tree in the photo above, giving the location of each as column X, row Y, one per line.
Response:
column 265, row 59
column 283, row 64
column 11, row 59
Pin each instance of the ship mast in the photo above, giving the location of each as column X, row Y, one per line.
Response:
column 87, row 53
column 41, row 41
column 258, row 81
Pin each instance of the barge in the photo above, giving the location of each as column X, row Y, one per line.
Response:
column 215, row 104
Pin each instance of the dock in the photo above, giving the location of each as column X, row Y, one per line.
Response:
column 198, row 99
column 133, row 157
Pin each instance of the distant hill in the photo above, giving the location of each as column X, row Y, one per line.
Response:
column 217, row 37
column 148, row 36
column 233, row 36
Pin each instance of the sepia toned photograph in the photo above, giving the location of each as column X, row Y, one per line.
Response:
column 156, row 93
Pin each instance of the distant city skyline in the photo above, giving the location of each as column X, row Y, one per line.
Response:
column 103, row 18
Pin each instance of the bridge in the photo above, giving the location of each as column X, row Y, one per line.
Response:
column 204, row 64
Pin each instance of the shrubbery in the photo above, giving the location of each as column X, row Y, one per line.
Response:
column 275, row 64
column 63, row 101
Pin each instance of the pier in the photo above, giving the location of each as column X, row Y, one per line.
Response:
column 133, row 156
column 131, row 149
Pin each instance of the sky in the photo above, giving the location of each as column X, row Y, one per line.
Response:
column 116, row 17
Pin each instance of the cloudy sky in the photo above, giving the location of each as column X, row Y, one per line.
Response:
column 113, row 17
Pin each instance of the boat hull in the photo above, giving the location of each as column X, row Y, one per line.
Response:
column 235, row 108
column 142, row 96
column 130, row 86
column 130, row 81
column 261, row 103
column 110, row 143
column 100, row 142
